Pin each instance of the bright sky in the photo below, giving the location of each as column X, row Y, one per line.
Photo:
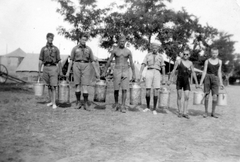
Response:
column 25, row 23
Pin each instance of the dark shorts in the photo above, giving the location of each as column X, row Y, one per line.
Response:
column 211, row 83
column 50, row 75
column 82, row 73
column 121, row 77
column 183, row 83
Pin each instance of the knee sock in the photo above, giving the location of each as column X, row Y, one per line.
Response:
column 155, row 99
column 78, row 96
column 148, row 101
column 116, row 96
column 85, row 96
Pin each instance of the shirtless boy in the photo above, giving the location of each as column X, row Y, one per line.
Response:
column 121, row 72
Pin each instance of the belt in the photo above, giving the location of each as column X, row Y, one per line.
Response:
column 82, row 61
column 47, row 64
column 152, row 69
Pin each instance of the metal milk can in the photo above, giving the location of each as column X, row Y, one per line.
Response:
column 164, row 98
column 38, row 88
column 63, row 92
column 135, row 94
column 222, row 99
column 100, row 91
column 198, row 97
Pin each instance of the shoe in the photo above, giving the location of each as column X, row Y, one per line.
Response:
column 86, row 107
column 214, row 116
column 186, row 116
column 50, row 104
column 54, row 106
column 180, row 115
column 123, row 109
column 116, row 107
column 155, row 112
column 205, row 115
column 78, row 105
column 146, row 110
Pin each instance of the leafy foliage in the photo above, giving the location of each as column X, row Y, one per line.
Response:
column 141, row 21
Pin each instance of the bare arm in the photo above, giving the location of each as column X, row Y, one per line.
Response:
column 108, row 64
column 39, row 67
column 40, row 63
column 163, row 74
column 132, row 66
column 204, row 72
column 97, row 71
column 194, row 75
column 60, row 67
column 72, row 56
column 220, row 74
column 174, row 70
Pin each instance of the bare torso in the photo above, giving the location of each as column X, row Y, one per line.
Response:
column 121, row 56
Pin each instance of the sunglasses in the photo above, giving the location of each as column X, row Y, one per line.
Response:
column 185, row 54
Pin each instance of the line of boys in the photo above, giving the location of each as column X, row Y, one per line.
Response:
column 82, row 56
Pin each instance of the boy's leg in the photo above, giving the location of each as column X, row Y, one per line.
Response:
column 85, row 97
column 50, row 96
column 54, row 97
column 155, row 99
column 215, row 88
column 206, row 105
column 185, row 104
column 179, row 103
column 116, row 105
column 78, row 96
column 124, row 97
column 214, row 104
column 148, row 90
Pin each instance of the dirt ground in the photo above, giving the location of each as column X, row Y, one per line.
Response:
column 32, row 132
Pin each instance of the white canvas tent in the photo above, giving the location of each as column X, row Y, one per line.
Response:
column 12, row 60
column 28, row 69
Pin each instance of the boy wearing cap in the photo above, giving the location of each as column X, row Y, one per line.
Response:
column 81, row 57
column 121, row 71
column 154, row 62
column 50, row 60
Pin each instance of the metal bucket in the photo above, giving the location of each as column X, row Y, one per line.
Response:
column 100, row 91
column 164, row 98
column 222, row 99
column 198, row 97
column 63, row 92
column 135, row 94
column 38, row 88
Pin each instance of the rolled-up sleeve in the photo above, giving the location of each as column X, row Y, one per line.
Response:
column 162, row 63
column 41, row 56
column 91, row 55
column 72, row 57
column 145, row 60
column 58, row 55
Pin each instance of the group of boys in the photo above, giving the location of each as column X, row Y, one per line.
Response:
column 82, row 57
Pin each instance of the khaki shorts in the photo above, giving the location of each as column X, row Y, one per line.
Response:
column 153, row 78
column 211, row 83
column 121, row 77
column 50, row 75
column 82, row 73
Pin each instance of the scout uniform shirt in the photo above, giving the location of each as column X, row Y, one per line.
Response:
column 82, row 56
column 82, row 53
column 154, row 61
column 49, row 54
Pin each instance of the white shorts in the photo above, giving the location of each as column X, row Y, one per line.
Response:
column 153, row 78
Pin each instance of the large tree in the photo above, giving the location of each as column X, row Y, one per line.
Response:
column 83, row 17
